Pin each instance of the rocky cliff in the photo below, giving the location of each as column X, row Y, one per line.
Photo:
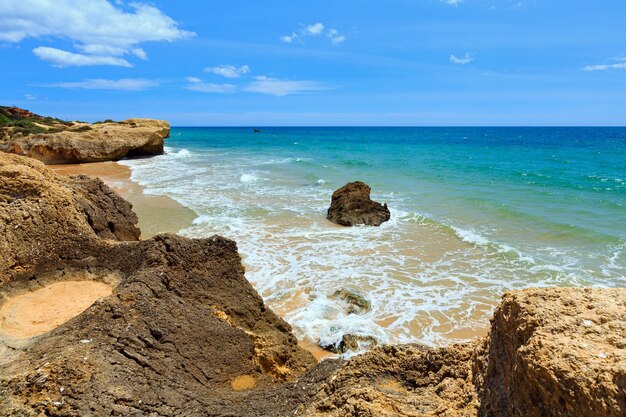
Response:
column 181, row 331
column 53, row 141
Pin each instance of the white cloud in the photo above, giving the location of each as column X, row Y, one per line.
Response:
column 193, row 79
column 229, row 71
column 289, row 38
column 211, row 88
column 30, row 97
column 139, row 53
column 60, row 58
column 314, row 29
column 276, row 87
column 124, row 84
column 466, row 59
column 99, row 28
column 604, row 67
column 335, row 37
column 452, row 2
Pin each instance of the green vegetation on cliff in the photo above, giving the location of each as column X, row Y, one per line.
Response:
column 26, row 122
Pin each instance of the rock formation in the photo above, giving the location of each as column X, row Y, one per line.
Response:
column 184, row 333
column 55, row 142
column 554, row 352
column 351, row 205
column 550, row 352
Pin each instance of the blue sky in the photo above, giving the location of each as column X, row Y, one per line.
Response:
column 341, row 62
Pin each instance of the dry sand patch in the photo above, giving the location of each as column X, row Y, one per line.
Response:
column 36, row 312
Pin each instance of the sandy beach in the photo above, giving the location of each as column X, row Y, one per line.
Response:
column 157, row 214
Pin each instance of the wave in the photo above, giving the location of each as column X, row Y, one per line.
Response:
column 248, row 178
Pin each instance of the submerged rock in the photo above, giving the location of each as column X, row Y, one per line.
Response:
column 357, row 304
column 351, row 205
column 352, row 343
column 55, row 142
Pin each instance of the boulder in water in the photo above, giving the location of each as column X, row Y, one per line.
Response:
column 357, row 304
column 352, row 343
column 351, row 205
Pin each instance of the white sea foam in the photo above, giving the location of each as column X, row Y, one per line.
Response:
column 470, row 236
column 183, row 153
column 248, row 178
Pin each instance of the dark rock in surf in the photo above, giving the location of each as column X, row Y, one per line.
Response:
column 351, row 205
column 357, row 304
column 352, row 343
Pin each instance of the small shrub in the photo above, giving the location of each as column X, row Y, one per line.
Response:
column 82, row 129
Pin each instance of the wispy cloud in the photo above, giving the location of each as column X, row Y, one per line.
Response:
column 229, row 71
column 210, row 87
column 334, row 36
column 102, row 31
column 30, row 97
column 277, row 87
column 315, row 29
column 124, row 84
column 621, row 64
column 465, row 59
column 61, row 58
column 453, row 2
column 193, row 79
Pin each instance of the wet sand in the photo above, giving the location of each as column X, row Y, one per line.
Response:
column 157, row 214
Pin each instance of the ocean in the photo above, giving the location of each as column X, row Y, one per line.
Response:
column 475, row 212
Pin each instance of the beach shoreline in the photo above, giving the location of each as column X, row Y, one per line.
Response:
column 157, row 214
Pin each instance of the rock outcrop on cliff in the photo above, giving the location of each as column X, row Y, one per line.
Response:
column 351, row 205
column 53, row 141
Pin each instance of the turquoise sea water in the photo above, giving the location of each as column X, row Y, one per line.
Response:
column 475, row 212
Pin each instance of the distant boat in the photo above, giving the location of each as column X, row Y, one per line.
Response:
column 257, row 131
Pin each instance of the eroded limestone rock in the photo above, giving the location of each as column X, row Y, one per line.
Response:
column 82, row 142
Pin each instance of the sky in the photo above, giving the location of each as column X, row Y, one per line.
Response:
column 318, row 63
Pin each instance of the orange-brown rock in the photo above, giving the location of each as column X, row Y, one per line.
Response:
column 555, row 352
column 81, row 142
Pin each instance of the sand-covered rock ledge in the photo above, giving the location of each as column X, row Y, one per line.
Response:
column 174, row 328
